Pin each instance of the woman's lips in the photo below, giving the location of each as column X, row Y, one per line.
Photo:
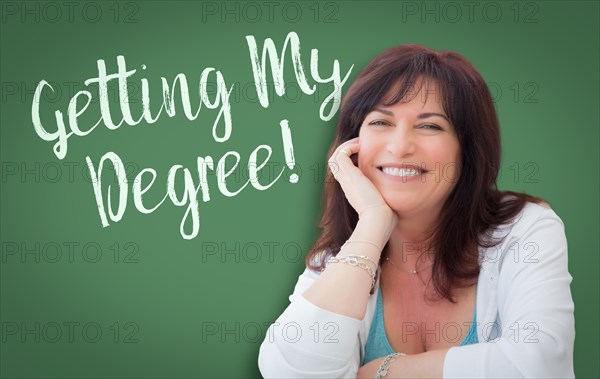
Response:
column 402, row 173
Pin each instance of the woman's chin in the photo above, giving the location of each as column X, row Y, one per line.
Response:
column 402, row 206
column 406, row 205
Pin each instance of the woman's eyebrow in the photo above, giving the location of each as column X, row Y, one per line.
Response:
column 431, row 114
column 420, row 116
column 388, row 113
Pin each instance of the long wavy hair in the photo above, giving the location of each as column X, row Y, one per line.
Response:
column 475, row 207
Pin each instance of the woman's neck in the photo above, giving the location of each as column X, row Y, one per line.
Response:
column 409, row 245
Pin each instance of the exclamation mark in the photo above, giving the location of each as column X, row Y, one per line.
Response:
column 288, row 148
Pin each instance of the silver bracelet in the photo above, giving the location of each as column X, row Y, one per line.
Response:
column 383, row 368
column 354, row 260
column 365, row 258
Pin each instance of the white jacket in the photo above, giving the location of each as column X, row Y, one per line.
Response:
column 525, row 319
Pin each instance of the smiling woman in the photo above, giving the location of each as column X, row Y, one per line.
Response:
column 415, row 270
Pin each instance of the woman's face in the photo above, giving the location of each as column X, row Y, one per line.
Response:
column 411, row 153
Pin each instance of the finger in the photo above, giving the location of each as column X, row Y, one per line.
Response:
column 344, row 160
column 342, row 153
column 347, row 148
column 352, row 142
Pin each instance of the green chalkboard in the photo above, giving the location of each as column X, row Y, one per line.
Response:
column 195, row 256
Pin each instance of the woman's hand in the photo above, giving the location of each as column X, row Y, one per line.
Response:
column 359, row 190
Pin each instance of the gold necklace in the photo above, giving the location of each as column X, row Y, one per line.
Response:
column 413, row 272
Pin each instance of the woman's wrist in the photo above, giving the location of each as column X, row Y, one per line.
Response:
column 384, row 367
column 381, row 209
column 379, row 222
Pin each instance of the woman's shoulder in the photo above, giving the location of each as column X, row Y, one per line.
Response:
column 535, row 231
column 532, row 214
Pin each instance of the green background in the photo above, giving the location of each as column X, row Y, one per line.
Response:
column 169, row 307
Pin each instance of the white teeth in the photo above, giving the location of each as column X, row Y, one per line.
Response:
column 401, row 171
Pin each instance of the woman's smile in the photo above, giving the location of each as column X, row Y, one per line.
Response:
column 402, row 172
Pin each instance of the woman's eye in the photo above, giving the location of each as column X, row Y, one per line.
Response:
column 379, row 123
column 431, row 126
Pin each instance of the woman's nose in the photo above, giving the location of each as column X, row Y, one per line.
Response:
column 401, row 142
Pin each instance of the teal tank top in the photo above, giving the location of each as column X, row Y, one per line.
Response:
column 378, row 345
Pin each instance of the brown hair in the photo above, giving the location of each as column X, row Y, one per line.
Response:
column 475, row 206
